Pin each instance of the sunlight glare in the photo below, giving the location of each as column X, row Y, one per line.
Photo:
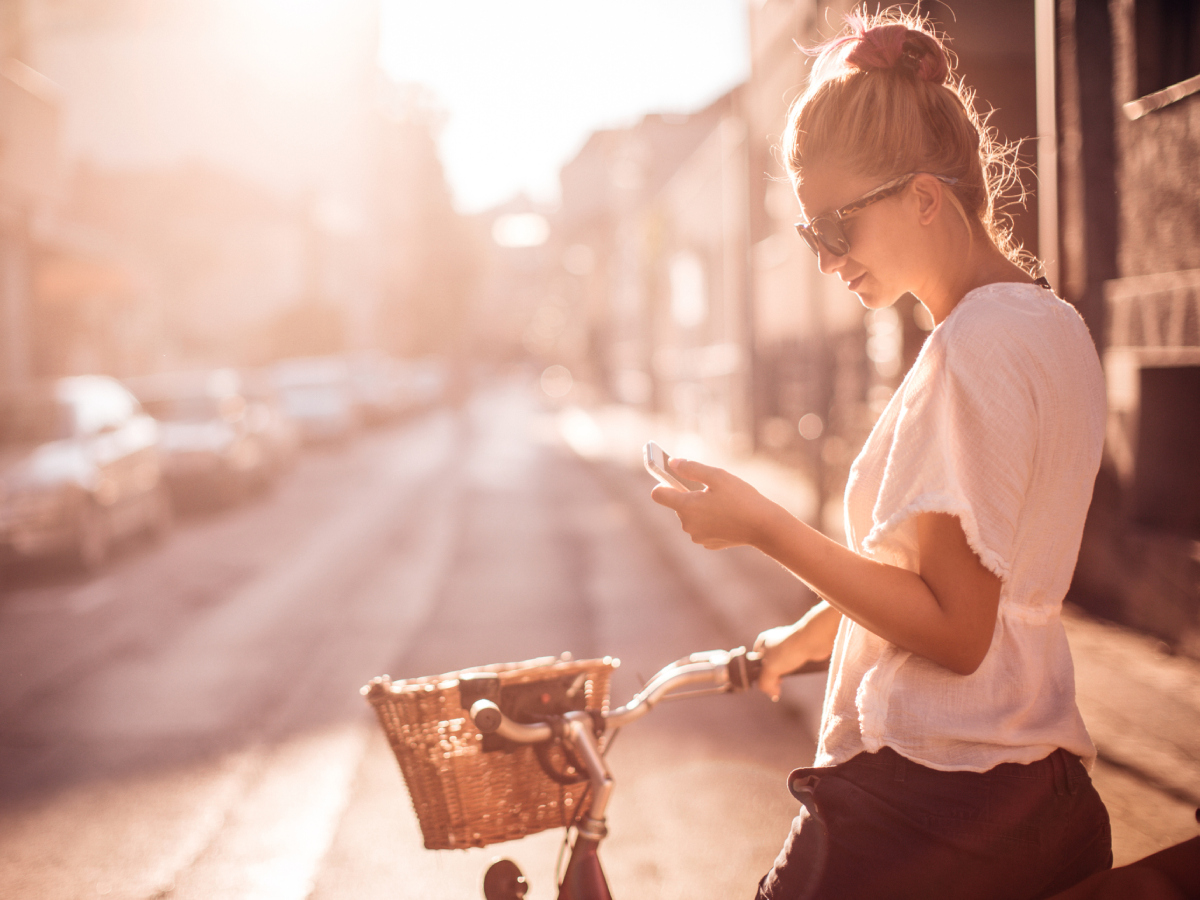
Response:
column 521, row 230
column 297, row 46
column 526, row 81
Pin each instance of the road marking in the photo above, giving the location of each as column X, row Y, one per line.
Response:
column 275, row 837
column 276, row 834
column 43, row 600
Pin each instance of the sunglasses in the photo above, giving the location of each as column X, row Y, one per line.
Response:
column 826, row 231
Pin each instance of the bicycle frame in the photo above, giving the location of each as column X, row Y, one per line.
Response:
column 716, row 671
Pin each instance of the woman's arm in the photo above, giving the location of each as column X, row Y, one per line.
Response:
column 946, row 612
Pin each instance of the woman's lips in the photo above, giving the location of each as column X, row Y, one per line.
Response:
column 853, row 285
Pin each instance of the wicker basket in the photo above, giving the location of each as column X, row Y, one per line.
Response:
column 465, row 795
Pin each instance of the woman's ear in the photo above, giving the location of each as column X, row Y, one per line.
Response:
column 928, row 192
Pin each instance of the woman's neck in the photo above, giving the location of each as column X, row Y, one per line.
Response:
column 980, row 264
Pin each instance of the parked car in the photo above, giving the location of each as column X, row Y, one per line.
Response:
column 378, row 386
column 210, row 452
column 317, row 395
column 426, row 381
column 269, row 422
column 79, row 470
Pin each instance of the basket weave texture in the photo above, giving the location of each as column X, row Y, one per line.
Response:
column 465, row 797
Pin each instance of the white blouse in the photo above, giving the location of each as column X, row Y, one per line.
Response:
column 1000, row 422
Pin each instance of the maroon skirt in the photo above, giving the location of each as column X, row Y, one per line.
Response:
column 882, row 826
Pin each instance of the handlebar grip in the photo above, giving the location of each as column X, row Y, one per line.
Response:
column 746, row 665
column 487, row 716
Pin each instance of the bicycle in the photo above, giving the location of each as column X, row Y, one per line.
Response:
column 570, row 744
column 571, row 740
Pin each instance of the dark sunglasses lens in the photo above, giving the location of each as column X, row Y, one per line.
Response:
column 802, row 230
column 831, row 236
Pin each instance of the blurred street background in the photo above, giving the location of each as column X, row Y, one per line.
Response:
column 330, row 332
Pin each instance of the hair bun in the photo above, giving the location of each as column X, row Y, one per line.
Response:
column 896, row 46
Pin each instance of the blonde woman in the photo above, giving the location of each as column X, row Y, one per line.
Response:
column 952, row 759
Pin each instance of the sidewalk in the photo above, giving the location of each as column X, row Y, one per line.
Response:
column 1141, row 706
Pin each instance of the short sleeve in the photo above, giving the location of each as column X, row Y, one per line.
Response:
column 963, row 444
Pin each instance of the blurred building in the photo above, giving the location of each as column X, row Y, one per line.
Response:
column 1129, row 111
column 29, row 168
column 219, row 258
column 428, row 253
column 226, row 154
column 652, row 233
column 519, row 309
column 92, row 310
column 214, row 184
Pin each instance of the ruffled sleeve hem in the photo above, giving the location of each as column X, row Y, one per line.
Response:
column 941, row 502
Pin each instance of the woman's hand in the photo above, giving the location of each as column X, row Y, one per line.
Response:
column 945, row 612
column 727, row 513
column 788, row 647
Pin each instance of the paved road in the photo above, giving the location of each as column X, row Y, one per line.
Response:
column 187, row 725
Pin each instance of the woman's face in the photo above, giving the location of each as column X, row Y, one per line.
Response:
column 879, row 266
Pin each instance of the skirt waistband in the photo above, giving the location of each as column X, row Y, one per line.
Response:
column 1061, row 768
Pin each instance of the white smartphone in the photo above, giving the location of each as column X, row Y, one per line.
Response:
column 656, row 460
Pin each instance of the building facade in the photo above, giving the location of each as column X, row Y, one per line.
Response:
column 29, row 180
column 1130, row 110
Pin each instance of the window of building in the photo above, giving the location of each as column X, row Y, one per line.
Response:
column 1167, row 479
column 1168, row 43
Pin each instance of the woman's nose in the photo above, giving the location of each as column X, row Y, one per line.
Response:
column 828, row 261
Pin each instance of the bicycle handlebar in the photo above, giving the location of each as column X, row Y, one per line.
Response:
column 714, row 671
column 490, row 720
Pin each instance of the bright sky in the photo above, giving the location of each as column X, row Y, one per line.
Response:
column 279, row 89
column 524, row 82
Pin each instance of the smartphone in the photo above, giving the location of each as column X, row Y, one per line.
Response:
column 656, row 460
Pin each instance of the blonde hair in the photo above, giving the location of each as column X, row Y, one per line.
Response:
column 883, row 100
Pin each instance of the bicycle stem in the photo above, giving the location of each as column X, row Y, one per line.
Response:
column 579, row 730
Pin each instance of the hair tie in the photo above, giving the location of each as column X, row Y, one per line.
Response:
column 896, row 47
column 910, row 57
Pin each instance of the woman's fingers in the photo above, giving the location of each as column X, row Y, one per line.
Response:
column 690, row 470
column 769, row 683
column 724, row 514
column 680, row 501
column 695, row 471
column 781, row 655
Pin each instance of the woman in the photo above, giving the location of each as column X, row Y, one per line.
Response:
column 952, row 759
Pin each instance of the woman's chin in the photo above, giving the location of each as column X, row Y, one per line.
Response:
column 874, row 299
